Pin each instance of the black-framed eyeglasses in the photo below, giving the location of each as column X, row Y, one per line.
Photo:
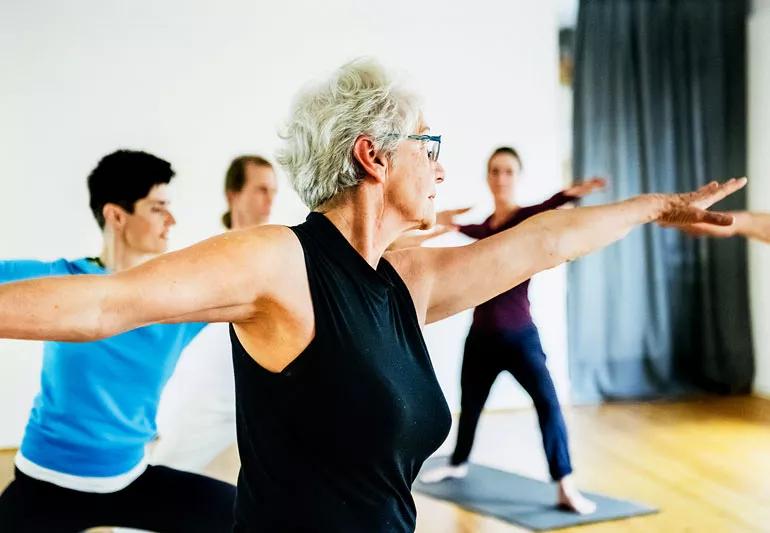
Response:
column 432, row 143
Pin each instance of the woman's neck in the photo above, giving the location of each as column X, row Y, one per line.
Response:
column 360, row 216
column 504, row 207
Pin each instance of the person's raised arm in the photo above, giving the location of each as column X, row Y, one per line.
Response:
column 221, row 279
column 480, row 231
column 444, row 281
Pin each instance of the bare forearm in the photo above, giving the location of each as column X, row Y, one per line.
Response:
column 59, row 308
column 753, row 225
column 565, row 235
column 466, row 276
column 451, row 280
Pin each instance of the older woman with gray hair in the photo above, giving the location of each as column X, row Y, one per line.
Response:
column 338, row 404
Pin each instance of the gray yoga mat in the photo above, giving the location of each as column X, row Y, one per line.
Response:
column 521, row 500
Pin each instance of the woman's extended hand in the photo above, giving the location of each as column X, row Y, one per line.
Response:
column 686, row 209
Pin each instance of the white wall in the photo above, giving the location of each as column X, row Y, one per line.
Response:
column 200, row 82
column 759, row 185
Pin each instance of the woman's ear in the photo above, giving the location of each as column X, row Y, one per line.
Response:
column 373, row 164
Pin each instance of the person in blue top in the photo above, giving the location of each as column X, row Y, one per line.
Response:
column 82, row 460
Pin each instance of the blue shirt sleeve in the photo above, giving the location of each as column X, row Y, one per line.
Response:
column 192, row 329
column 17, row 270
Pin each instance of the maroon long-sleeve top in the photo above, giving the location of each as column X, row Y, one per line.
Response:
column 509, row 311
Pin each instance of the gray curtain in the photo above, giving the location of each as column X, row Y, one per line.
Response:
column 660, row 105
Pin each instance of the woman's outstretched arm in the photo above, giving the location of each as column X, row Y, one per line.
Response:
column 445, row 281
column 221, row 279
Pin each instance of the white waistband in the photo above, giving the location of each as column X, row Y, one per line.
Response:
column 99, row 485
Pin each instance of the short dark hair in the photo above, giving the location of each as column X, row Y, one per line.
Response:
column 505, row 150
column 235, row 178
column 123, row 178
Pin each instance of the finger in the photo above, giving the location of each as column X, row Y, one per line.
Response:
column 702, row 192
column 698, row 228
column 717, row 219
column 713, row 195
column 688, row 229
column 714, row 230
column 681, row 215
column 702, row 229
column 731, row 186
column 712, row 185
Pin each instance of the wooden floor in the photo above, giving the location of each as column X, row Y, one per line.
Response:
column 705, row 464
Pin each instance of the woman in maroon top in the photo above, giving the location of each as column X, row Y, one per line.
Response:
column 503, row 337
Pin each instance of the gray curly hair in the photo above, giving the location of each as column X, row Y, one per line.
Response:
column 360, row 98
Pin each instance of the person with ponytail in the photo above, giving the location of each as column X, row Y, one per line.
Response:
column 196, row 417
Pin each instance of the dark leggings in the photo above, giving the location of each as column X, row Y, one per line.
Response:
column 520, row 353
column 161, row 499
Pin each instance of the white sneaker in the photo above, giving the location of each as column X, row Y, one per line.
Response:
column 441, row 473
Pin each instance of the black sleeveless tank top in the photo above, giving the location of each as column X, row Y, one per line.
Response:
column 335, row 440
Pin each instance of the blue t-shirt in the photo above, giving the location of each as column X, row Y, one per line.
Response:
column 95, row 411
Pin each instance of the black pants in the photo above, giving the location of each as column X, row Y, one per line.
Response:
column 161, row 499
column 520, row 353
